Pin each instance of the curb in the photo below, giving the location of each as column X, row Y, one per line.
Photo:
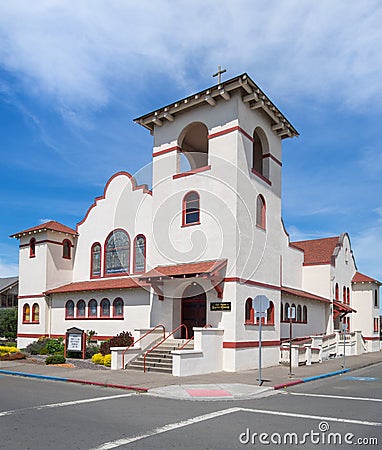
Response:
column 306, row 380
column 325, row 375
column 287, row 384
column 72, row 380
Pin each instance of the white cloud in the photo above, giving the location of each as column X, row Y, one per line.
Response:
column 8, row 269
column 78, row 52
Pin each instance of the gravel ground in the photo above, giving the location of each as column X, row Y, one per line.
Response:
column 78, row 363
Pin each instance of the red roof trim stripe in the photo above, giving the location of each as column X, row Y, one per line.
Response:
column 362, row 278
column 304, row 294
column 52, row 225
column 98, row 285
column 206, row 267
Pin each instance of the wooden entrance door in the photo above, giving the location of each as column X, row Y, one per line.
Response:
column 193, row 309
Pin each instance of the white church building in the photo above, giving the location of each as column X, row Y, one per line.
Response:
column 189, row 255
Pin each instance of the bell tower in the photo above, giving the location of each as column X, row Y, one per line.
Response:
column 217, row 175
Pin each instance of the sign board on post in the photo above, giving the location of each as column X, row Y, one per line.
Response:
column 291, row 312
column 260, row 305
column 75, row 341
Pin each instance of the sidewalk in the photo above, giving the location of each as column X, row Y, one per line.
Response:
column 221, row 385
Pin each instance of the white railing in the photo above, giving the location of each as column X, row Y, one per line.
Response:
column 319, row 348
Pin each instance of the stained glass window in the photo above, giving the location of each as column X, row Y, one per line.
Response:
column 80, row 308
column 69, row 308
column 118, row 307
column 96, row 260
column 93, row 308
column 140, row 253
column 117, row 252
column 105, row 308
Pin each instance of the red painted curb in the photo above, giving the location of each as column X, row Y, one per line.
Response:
column 117, row 386
column 288, row 383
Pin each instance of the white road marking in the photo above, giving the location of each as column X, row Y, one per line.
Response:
column 341, row 397
column 58, row 405
column 308, row 416
column 184, row 423
column 165, row 428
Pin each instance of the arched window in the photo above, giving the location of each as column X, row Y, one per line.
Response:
column 140, row 254
column 304, row 314
column 35, row 313
column 117, row 250
column 260, row 212
column 299, row 314
column 282, row 312
column 118, row 307
column 81, row 309
column 376, row 298
column 191, row 208
column 92, row 308
column 26, row 313
column 271, row 314
column 95, row 262
column 286, row 311
column 69, row 309
column 348, row 296
column 32, row 248
column 344, row 295
column 337, row 292
column 105, row 307
column 66, row 249
column 193, row 143
column 249, row 312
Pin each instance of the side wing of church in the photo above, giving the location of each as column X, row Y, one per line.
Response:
column 190, row 254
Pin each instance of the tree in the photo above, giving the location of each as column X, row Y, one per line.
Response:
column 8, row 323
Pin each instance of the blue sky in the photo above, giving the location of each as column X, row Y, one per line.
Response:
column 73, row 76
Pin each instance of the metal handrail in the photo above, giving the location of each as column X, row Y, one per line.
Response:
column 191, row 338
column 146, row 334
column 161, row 342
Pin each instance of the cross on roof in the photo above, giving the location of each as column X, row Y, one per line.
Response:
column 219, row 73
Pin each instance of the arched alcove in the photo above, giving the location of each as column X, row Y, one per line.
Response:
column 193, row 143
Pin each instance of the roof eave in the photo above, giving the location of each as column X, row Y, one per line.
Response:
column 252, row 95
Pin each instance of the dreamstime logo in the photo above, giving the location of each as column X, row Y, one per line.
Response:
column 321, row 437
column 228, row 216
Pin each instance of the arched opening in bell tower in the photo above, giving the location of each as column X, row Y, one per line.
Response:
column 259, row 152
column 193, row 143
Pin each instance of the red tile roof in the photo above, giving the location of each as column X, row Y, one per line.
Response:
column 52, row 226
column 361, row 278
column 98, row 285
column 318, row 251
column 304, row 294
column 176, row 270
column 342, row 307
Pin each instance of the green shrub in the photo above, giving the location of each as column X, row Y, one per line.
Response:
column 35, row 347
column 91, row 350
column 55, row 346
column 44, row 351
column 8, row 323
column 107, row 360
column 98, row 358
column 55, row 359
column 123, row 339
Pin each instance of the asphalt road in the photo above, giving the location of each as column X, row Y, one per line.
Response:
column 45, row 415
